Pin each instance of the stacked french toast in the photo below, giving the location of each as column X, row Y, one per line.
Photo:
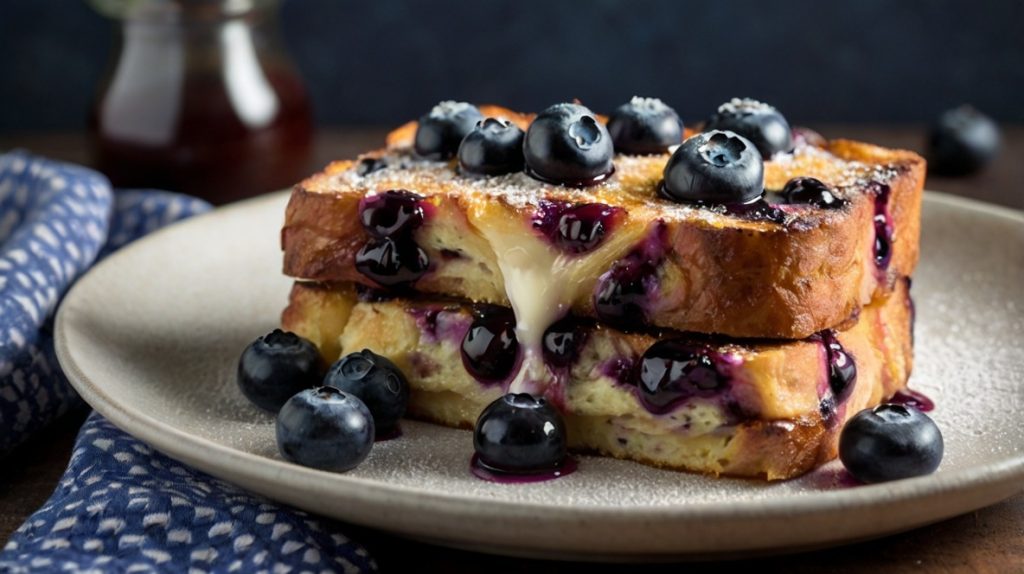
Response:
column 719, row 300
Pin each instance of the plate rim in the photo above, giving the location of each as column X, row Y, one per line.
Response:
column 215, row 458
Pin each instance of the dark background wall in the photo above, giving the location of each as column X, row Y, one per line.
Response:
column 380, row 62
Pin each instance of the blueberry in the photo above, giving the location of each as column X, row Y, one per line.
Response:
column 758, row 122
column 275, row 367
column 811, row 191
column 563, row 341
column 392, row 262
column 575, row 228
column 890, row 442
column 961, row 142
column 645, row 126
column 394, row 212
column 520, row 434
column 567, row 144
column 494, row 147
column 672, row 371
column 374, row 380
column 368, row 165
column 490, row 348
column 440, row 132
column 715, row 167
column 621, row 296
column 325, row 428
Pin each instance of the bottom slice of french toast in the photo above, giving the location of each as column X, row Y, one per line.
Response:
column 760, row 409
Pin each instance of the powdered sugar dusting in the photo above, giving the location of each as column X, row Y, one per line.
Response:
column 634, row 185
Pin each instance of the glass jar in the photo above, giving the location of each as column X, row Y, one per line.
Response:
column 200, row 98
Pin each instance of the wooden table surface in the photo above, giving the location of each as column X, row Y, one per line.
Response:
column 989, row 540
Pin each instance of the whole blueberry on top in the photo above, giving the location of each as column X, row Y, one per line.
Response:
column 566, row 144
column 645, row 126
column 276, row 366
column 494, row 147
column 519, row 433
column 378, row 382
column 890, row 442
column 325, row 428
column 440, row 132
column 756, row 121
column 811, row 191
column 961, row 142
column 715, row 167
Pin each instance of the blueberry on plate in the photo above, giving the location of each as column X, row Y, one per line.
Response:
column 961, row 142
column 566, row 144
column 811, row 191
column 440, row 132
column 376, row 381
column 890, row 442
column 520, row 434
column 645, row 126
column 715, row 167
column 494, row 147
column 756, row 121
column 276, row 366
column 325, row 428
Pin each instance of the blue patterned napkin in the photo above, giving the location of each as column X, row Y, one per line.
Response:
column 120, row 506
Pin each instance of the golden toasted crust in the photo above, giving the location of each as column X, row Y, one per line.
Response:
column 776, row 386
column 719, row 273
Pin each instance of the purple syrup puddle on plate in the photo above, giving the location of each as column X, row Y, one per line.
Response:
column 912, row 398
column 484, row 472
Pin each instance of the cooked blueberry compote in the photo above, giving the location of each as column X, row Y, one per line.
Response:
column 575, row 228
column 566, row 144
column 842, row 369
column 672, row 371
column 325, row 428
column 564, row 340
column 622, row 295
column 490, row 349
column 645, row 126
column 758, row 122
column 394, row 212
column 276, row 366
column 883, row 226
column 520, row 434
column 915, row 399
column 716, row 167
column 392, row 262
column 890, row 442
column 378, row 382
column 439, row 133
column 811, row 191
column 494, row 147
column 961, row 142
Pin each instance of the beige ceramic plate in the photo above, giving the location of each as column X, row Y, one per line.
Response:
column 151, row 337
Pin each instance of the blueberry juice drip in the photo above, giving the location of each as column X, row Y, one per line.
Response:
column 842, row 375
column 883, row 227
column 485, row 472
column 624, row 292
column 911, row 398
column 392, row 258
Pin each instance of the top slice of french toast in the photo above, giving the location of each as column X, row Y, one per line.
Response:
column 769, row 269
